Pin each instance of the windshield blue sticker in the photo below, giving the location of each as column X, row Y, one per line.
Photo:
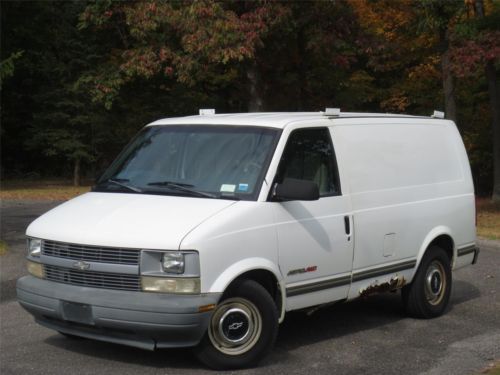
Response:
column 243, row 187
column 227, row 188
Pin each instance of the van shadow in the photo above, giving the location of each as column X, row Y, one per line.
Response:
column 309, row 222
column 298, row 330
column 463, row 292
column 363, row 314
column 181, row 358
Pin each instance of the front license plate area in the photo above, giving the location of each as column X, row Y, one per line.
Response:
column 77, row 312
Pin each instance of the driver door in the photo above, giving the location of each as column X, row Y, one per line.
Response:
column 315, row 243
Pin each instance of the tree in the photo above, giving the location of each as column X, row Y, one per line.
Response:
column 305, row 63
column 192, row 43
column 437, row 18
column 401, row 62
column 91, row 74
column 47, row 113
column 476, row 52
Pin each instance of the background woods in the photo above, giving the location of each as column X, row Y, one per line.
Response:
column 78, row 79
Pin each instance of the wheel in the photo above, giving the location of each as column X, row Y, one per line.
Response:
column 429, row 293
column 242, row 329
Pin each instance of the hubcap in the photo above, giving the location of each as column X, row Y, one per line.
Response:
column 235, row 326
column 435, row 283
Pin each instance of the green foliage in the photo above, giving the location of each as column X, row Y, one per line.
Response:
column 435, row 15
column 7, row 66
column 44, row 114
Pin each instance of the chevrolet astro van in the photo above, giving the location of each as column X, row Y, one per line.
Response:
column 207, row 229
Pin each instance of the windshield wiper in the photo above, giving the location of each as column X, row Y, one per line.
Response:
column 181, row 187
column 133, row 188
column 167, row 183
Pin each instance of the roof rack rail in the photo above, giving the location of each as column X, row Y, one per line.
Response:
column 207, row 111
column 438, row 114
column 332, row 112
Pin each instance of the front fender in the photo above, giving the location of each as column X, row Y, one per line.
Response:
column 250, row 264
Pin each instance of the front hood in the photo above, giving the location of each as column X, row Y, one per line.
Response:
column 125, row 220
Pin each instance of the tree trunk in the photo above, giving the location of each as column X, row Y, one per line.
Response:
column 255, row 101
column 494, row 91
column 479, row 8
column 76, row 172
column 450, row 106
column 301, row 70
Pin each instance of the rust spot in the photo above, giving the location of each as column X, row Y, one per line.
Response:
column 394, row 283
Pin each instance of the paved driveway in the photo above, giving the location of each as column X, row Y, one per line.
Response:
column 370, row 336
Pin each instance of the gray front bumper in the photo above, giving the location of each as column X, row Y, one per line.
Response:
column 140, row 319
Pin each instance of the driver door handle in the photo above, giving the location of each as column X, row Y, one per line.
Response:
column 347, row 224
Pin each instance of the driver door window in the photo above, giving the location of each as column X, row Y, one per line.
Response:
column 309, row 155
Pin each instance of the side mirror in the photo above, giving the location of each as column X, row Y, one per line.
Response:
column 296, row 190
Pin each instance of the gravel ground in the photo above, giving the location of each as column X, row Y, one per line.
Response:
column 371, row 335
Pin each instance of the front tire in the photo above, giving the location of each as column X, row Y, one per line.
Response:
column 242, row 330
column 429, row 293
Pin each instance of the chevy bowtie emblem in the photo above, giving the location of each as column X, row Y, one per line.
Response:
column 81, row 265
column 235, row 325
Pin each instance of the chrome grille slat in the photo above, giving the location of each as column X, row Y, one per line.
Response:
column 91, row 253
column 92, row 279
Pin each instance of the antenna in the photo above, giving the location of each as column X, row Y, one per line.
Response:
column 332, row 112
column 438, row 114
column 206, row 112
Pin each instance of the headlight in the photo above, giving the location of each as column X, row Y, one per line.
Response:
column 35, row 269
column 170, row 285
column 34, row 247
column 173, row 262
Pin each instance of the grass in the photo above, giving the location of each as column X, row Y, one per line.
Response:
column 488, row 219
column 56, row 190
column 3, row 248
column 493, row 369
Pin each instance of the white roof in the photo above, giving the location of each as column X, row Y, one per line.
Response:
column 268, row 119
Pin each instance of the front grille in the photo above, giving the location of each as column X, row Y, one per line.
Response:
column 92, row 279
column 88, row 253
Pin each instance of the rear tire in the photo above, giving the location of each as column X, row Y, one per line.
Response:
column 429, row 293
column 242, row 330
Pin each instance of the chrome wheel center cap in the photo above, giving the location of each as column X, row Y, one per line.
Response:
column 235, row 325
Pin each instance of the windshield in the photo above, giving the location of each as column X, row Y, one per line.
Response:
column 210, row 161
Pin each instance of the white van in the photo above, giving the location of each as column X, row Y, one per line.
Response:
column 207, row 229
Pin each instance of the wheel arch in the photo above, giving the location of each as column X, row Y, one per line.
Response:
column 259, row 270
column 441, row 236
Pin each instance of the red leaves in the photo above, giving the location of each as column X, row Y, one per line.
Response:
column 169, row 71
column 342, row 61
column 185, row 40
column 104, row 89
column 470, row 56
